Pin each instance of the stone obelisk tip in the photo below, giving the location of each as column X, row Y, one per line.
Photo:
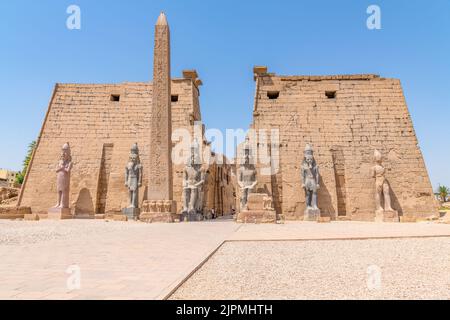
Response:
column 162, row 20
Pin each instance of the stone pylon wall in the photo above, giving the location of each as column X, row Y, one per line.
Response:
column 366, row 113
column 85, row 116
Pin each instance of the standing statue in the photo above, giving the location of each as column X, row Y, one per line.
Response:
column 381, row 185
column 246, row 176
column 193, row 180
column 310, row 179
column 63, row 177
column 133, row 177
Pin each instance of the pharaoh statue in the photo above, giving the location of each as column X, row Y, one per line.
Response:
column 246, row 176
column 63, row 177
column 310, row 182
column 382, row 189
column 193, row 180
column 133, row 177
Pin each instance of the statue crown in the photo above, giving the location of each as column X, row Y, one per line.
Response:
column 66, row 146
column 135, row 149
column 308, row 149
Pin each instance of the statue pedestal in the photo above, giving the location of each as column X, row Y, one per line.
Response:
column 131, row 213
column 386, row 216
column 311, row 214
column 191, row 216
column 256, row 212
column 59, row 214
column 159, row 211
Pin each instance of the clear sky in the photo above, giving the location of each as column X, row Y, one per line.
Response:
column 223, row 40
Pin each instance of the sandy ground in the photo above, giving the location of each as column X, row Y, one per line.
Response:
column 342, row 269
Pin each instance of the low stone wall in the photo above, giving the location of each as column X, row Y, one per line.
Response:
column 14, row 212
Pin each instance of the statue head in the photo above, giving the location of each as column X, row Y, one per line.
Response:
column 309, row 155
column 65, row 152
column 377, row 156
column 134, row 154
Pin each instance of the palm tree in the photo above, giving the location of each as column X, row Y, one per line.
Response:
column 443, row 192
column 26, row 162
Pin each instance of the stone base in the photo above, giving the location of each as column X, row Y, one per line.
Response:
column 311, row 215
column 86, row 216
column 162, row 217
column 257, row 216
column 259, row 210
column 31, row 217
column 59, row 214
column 159, row 211
column 190, row 217
column 131, row 213
column 386, row 216
column 408, row 219
column 120, row 217
column 324, row 220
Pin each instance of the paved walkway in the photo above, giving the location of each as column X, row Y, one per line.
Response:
column 133, row 260
column 121, row 261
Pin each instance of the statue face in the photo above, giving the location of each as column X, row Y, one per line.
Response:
column 309, row 158
column 65, row 156
column 133, row 158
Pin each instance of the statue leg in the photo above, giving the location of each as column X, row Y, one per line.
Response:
column 130, row 198
column 134, row 199
column 244, row 198
column 387, row 197
column 314, row 200
column 308, row 199
column 64, row 199
column 193, row 199
column 185, row 200
column 378, row 200
column 188, row 199
column 58, row 204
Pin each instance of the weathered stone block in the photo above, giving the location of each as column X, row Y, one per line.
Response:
column 386, row 216
column 257, row 216
column 132, row 213
column 12, row 213
column 59, row 214
column 324, row 220
column 311, row 215
column 31, row 217
column 120, row 217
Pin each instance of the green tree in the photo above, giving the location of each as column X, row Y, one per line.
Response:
column 443, row 192
column 21, row 176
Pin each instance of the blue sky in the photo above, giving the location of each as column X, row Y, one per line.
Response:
column 223, row 40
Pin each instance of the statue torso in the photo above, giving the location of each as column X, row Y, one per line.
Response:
column 192, row 176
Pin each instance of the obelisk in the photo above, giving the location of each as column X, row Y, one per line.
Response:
column 160, row 206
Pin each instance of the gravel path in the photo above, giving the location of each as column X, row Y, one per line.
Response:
column 344, row 269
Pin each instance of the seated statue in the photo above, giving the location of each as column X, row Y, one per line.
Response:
column 193, row 180
column 246, row 177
